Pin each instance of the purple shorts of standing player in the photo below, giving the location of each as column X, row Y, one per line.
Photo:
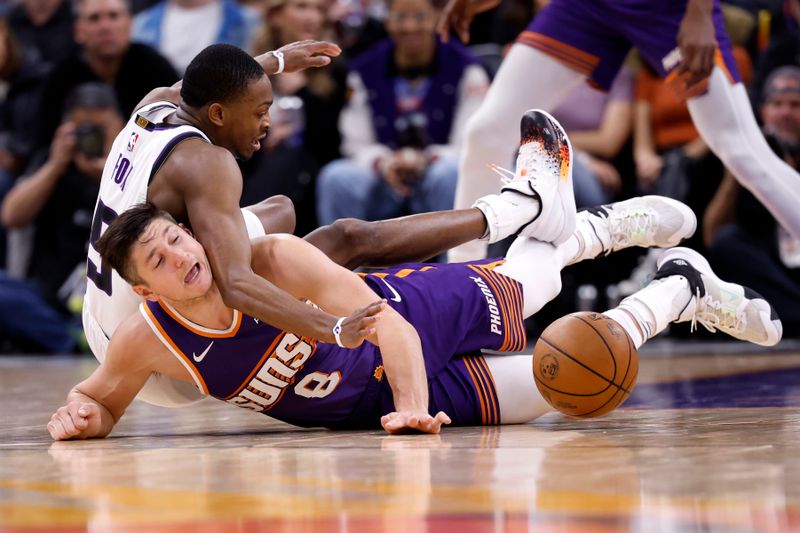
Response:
column 594, row 36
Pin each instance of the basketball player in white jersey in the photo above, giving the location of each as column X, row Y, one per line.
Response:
column 178, row 151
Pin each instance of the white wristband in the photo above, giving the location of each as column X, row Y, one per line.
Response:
column 281, row 63
column 337, row 331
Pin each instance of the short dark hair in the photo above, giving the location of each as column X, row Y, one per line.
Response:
column 116, row 243
column 219, row 73
column 92, row 95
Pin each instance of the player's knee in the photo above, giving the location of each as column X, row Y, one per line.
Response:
column 276, row 214
column 353, row 237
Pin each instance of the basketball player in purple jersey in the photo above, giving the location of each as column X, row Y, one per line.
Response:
column 425, row 352
column 570, row 40
column 179, row 151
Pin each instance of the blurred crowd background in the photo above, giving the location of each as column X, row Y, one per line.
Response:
column 354, row 139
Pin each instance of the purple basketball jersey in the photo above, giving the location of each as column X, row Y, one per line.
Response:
column 456, row 309
column 594, row 37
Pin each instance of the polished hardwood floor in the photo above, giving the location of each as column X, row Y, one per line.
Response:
column 706, row 443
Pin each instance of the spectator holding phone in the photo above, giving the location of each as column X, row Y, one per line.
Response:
column 58, row 199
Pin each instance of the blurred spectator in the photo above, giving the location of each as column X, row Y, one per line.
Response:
column 599, row 124
column 746, row 245
column 358, row 24
column 46, row 27
column 58, row 198
column 304, row 134
column 103, row 29
column 404, row 122
column 783, row 49
column 24, row 75
column 180, row 29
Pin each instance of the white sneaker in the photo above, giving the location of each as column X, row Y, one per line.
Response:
column 543, row 175
column 733, row 309
column 647, row 221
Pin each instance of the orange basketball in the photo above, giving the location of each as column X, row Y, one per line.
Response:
column 585, row 364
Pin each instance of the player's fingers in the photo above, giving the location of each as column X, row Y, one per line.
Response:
column 77, row 420
column 58, row 428
column 442, row 418
column 319, row 61
column 325, row 47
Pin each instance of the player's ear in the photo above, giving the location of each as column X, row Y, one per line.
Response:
column 144, row 292
column 216, row 114
column 184, row 228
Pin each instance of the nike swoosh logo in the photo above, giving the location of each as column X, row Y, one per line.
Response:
column 202, row 356
column 396, row 297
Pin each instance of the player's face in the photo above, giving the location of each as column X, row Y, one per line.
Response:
column 411, row 24
column 248, row 120
column 103, row 27
column 781, row 114
column 299, row 20
column 171, row 263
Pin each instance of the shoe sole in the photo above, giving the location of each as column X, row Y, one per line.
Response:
column 565, row 235
column 772, row 325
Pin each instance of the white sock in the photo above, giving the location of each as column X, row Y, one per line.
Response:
column 653, row 308
column 591, row 238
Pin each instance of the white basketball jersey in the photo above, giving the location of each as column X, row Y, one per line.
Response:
column 137, row 154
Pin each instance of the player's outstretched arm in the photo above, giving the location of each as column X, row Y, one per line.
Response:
column 212, row 205
column 95, row 405
column 306, row 272
column 299, row 55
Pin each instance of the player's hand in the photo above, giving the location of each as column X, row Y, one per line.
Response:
column 399, row 422
column 76, row 420
column 697, row 43
column 458, row 14
column 361, row 324
column 301, row 55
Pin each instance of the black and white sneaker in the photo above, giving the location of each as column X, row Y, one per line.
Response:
column 543, row 178
column 719, row 305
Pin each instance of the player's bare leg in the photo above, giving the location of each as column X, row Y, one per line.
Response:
column 276, row 214
column 352, row 242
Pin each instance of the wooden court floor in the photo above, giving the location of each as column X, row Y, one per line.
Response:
column 706, row 443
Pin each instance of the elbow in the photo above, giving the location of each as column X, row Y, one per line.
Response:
column 233, row 292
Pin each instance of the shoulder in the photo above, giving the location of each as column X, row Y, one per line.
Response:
column 194, row 164
column 135, row 343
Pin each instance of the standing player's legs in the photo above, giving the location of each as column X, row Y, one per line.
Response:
column 725, row 120
column 527, row 78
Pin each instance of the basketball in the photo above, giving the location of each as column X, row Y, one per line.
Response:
column 585, row 364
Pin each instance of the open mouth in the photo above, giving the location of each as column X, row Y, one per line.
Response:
column 192, row 275
column 257, row 143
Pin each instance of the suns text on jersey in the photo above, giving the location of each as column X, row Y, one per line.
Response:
column 281, row 365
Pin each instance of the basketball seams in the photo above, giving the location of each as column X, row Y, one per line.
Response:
column 591, row 370
column 602, row 338
column 585, row 367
